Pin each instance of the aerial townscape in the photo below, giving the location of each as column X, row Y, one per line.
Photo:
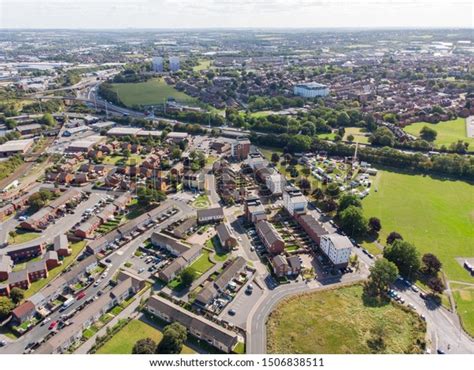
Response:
column 237, row 191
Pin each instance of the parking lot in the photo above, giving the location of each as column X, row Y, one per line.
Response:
column 241, row 305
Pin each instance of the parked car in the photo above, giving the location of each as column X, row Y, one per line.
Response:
column 232, row 312
column 52, row 325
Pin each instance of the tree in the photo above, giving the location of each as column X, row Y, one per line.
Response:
column 305, row 185
column 275, row 158
column 187, row 277
column 428, row 134
column 333, row 190
column 329, row 205
column 432, row 265
column 48, row 120
column 382, row 274
column 353, row 221
column 6, row 307
column 349, row 200
column 145, row 346
column 393, row 236
column 174, row 335
column 405, row 256
column 17, row 295
column 176, row 153
column 146, row 196
column 374, row 224
column 436, row 285
column 343, row 119
column 350, row 138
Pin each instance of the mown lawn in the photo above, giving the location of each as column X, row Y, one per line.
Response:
column 120, row 159
column 360, row 136
column 202, row 65
column 464, row 297
column 435, row 215
column 202, row 264
column 202, row 201
column 124, row 340
column 448, row 131
column 22, row 236
column 337, row 321
column 153, row 91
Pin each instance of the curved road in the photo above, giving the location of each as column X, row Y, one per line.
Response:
column 443, row 327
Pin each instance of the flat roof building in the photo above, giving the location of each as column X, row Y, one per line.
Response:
column 14, row 147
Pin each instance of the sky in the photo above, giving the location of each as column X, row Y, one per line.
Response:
column 121, row 14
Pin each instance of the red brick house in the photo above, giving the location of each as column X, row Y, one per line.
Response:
column 37, row 270
column 24, row 312
column 51, row 259
column 61, row 245
column 270, row 237
column 19, row 279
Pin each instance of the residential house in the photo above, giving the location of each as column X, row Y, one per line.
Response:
column 226, row 236
column 198, row 326
column 61, row 245
column 280, row 265
column 208, row 215
column 270, row 237
column 51, row 259
column 312, row 227
column 6, row 265
column 19, row 279
column 194, row 180
column 37, row 270
column 25, row 251
column 24, row 312
column 254, row 210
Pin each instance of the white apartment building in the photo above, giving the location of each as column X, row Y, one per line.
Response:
column 337, row 248
column 294, row 201
column 311, row 90
column 174, row 64
column 275, row 183
column 157, row 64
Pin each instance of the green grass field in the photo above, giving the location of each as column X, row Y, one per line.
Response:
column 124, row 340
column 202, row 264
column 330, row 136
column 202, row 201
column 464, row 297
column 337, row 321
column 448, row 132
column 202, row 65
column 358, row 133
column 22, row 236
column 154, row 91
column 436, row 215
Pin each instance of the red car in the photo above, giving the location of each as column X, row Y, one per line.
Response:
column 80, row 295
column 53, row 325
